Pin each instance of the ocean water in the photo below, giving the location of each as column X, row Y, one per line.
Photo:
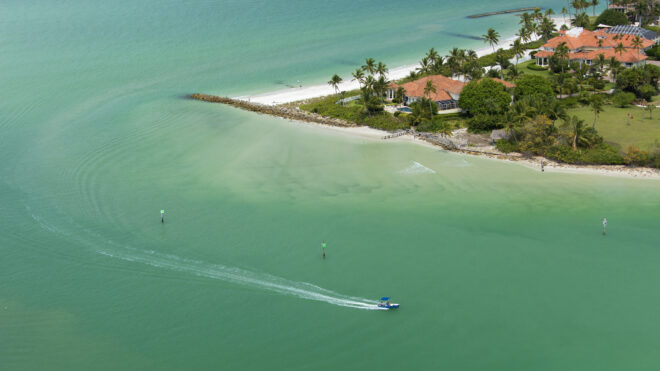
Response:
column 497, row 266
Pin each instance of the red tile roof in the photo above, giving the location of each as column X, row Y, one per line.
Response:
column 594, row 39
column 444, row 87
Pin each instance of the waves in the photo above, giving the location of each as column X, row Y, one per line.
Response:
column 416, row 169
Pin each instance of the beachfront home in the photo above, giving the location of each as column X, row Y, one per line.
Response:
column 446, row 94
column 585, row 46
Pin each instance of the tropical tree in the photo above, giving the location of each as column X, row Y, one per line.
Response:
column 524, row 34
column 334, row 82
column 433, row 56
column 369, row 66
column 637, row 43
column 594, row 4
column 424, row 65
column 561, row 52
column 596, row 105
column 576, row 128
column 428, row 89
column 381, row 69
column 547, row 28
column 614, row 66
column 502, row 61
column 620, row 49
column 650, row 107
column 491, row 37
column 581, row 20
column 518, row 49
column 358, row 76
column 564, row 11
column 380, row 86
column 513, row 72
column 549, row 12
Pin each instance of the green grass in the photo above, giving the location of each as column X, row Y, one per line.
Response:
column 523, row 67
column 354, row 112
column 642, row 132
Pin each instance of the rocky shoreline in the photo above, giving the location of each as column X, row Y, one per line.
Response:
column 278, row 111
column 459, row 141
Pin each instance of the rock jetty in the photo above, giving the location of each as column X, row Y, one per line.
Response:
column 278, row 111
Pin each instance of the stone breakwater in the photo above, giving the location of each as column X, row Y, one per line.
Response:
column 278, row 111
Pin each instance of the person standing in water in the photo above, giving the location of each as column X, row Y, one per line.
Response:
column 162, row 216
column 542, row 166
column 604, row 226
column 323, row 248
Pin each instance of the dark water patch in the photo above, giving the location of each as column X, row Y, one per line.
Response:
column 510, row 11
column 460, row 35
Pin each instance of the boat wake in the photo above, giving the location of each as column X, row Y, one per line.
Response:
column 238, row 276
column 198, row 268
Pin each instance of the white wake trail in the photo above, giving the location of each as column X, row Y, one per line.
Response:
column 279, row 285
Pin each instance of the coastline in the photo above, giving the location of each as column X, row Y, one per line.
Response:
column 282, row 100
column 290, row 95
column 534, row 163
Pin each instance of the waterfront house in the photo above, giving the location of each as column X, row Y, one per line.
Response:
column 447, row 91
column 585, row 46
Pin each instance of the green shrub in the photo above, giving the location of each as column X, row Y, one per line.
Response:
column 507, row 146
column 533, row 86
column 636, row 157
column 483, row 123
column 623, row 99
column 569, row 102
column 535, row 67
column 647, row 92
column 603, row 154
column 612, row 17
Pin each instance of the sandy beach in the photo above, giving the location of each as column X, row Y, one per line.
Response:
column 307, row 92
column 490, row 152
column 314, row 91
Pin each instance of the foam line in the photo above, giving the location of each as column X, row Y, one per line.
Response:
column 279, row 285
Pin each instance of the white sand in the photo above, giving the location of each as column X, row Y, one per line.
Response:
column 306, row 92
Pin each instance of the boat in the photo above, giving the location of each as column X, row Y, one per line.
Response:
column 385, row 303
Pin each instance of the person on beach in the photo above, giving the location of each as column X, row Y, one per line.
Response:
column 604, row 225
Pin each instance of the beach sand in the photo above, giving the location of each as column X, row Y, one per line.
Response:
column 307, row 92
column 314, row 91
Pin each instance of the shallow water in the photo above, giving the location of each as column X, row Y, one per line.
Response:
column 497, row 266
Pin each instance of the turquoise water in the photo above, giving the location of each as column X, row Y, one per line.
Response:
column 497, row 266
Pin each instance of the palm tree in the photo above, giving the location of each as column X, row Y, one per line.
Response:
column 524, row 34
column 596, row 105
column 576, row 127
column 428, row 89
column 564, row 11
column 637, row 44
column 613, row 66
column 594, row 4
column 547, row 28
column 424, row 65
column 518, row 49
column 502, row 61
column 549, row 12
column 537, row 15
column 334, row 82
column 620, row 49
column 650, row 107
column 380, row 86
column 381, row 69
column 513, row 72
column 433, row 56
column 581, row 20
column 492, row 37
column 369, row 83
column 369, row 66
column 358, row 76
column 561, row 52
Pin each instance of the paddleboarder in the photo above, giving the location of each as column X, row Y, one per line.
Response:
column 604, row 226
column 162, row 216
column 323, row 248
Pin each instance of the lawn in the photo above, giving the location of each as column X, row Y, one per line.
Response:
column 523, row 67
column 643, row 132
